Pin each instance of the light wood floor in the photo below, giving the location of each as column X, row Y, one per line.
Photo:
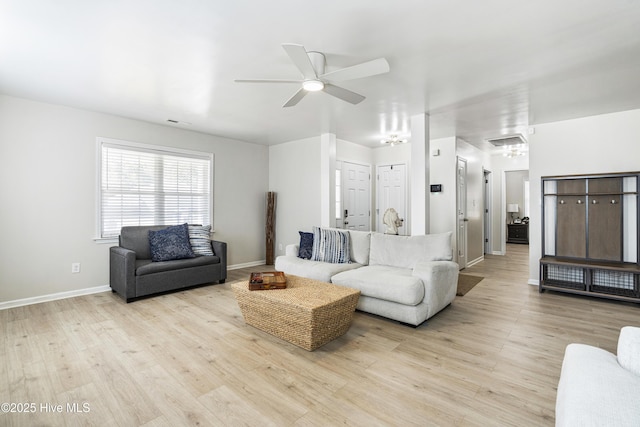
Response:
column 492, row 358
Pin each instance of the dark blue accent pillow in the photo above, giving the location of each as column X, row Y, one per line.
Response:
column 306, row 245
column 170, row 243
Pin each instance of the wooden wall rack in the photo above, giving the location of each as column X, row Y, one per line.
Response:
column 590, row 238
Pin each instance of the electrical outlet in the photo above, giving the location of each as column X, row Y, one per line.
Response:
column 75, row 267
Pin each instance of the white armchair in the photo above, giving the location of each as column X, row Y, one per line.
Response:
column 598, row 388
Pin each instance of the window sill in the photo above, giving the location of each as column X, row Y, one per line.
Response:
column 106, row 240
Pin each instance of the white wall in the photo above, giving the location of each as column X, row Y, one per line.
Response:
column 48, row 194
column 294, row 174
column 419, row 191
column 596, row 144
column 443, row 171
column 354, row 153
column 387, row 155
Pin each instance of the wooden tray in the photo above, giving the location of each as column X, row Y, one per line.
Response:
column 267, row 280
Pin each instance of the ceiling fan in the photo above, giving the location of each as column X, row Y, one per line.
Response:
column 314, row 78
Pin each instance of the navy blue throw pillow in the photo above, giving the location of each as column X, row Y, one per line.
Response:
column 306, row 245
column 170, row 243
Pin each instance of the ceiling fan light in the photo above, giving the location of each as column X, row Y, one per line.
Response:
column 312, row 85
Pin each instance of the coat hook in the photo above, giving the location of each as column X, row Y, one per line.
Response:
column 562, row 202
column 613, row 201
column 579, row 202
column 594, row 202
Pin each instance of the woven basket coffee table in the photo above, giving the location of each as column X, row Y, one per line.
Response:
column 308, row 313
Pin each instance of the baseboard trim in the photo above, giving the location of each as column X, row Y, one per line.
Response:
column 534, row 282
column 52, row 297
column 475, row 261
column 88, row 291
column 246, row 265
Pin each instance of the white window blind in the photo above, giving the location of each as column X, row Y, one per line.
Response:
column 143, row 185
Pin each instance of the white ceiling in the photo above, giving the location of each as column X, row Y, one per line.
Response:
column 478, row 68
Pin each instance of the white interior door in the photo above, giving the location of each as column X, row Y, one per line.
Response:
column 392, row 193
column 461, row 201
column 356, row 192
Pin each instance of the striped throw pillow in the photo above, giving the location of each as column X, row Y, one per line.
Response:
column 330, row 245
column 199, row 239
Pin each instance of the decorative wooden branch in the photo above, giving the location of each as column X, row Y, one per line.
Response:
column 270, row 228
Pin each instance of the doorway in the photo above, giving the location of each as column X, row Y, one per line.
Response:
column 392, row 193
column 516, row 204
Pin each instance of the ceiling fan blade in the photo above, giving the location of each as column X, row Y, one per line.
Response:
column 295, row 98
column 266, row 81
column 366, row 69
column 342, row 93
column 300, row 58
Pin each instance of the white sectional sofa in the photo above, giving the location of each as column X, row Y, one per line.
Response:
column 598, row 388
column 404, row 278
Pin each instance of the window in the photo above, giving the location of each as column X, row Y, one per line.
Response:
column 338, row 195
column 148, row 185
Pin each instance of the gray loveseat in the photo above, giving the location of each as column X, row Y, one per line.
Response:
column 132, row 273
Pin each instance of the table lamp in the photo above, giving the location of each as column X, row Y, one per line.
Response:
column 512, row 208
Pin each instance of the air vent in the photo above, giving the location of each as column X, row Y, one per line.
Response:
column 178, row 122
column 506, row 140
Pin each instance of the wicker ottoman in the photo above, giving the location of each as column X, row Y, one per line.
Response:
column 308, row 313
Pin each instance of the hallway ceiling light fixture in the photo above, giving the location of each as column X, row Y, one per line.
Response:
column 393, row 140
column 514, row 150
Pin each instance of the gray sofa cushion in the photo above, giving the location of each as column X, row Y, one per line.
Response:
column 200, row 239
column 136, row 238
column 170, row 243
column 146, row 266
column 330, row 245
column 306, row 245
column 383, row 282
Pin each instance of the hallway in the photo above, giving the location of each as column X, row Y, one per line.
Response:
column 514, row 265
